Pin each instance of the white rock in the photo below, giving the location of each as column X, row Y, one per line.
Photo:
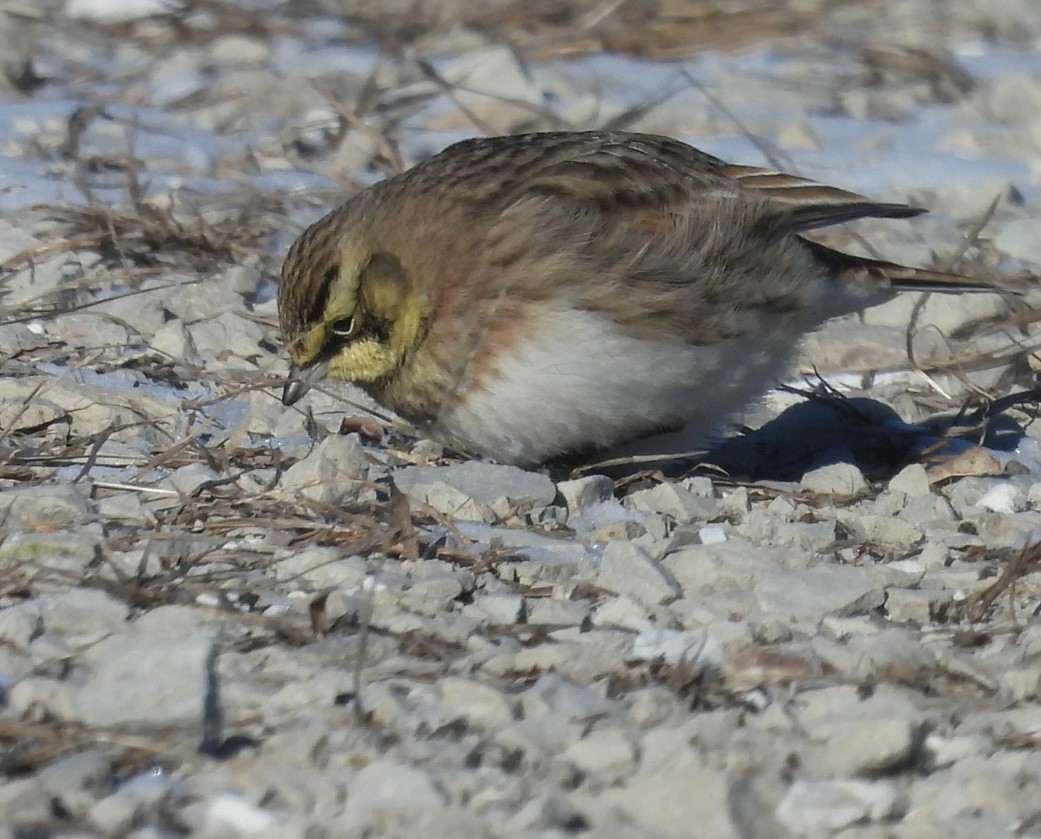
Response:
column 817, row 808
column 72, row 780
column 385, row 791
column 814, row 593
column 70, row 553
column 498, row 608
column 974, row 787
column 144, row 682
column 545, row 735
column 912, row 567
column 82, row 616
column 941, row 751
column 734, row 565
column 1003, row 498
column 607, row 751
column 227, row 337
column 234, row 815
column 506, row 490
column 552, row 611
column 126, row 509
column 677, row 796
column 479, row 704
column 862, row 736
column 96, row 410
column 623, row 612
column 680, row 504
column 601, row 520
column 835, row 479
column 20, row 623
column 701, row 485
column 133, row 801
column 195, row 302
column 321, row 567
column 626, row 569
column 187, row 480
column 455, row 503
column 912, row 481
column 579, row 494
column 25, row 801
column 238, row 49
column 55, row 506
column 1022, row 683
column 88, row 331
column 432, row 595
column 174, row 341
column 143, row 313
column 18, row 338
column 868, row 655
column 331, row 473
column 913, row 605
column 116, row 11
column 698, row 650
column 39, row 695
column 553, row 695
column 712, row 534
column 882, row 530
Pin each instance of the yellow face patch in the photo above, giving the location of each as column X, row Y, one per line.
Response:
column 373, row 355
column 370, row 323
column 363, row 361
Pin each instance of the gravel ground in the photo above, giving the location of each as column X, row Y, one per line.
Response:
column 223, row 618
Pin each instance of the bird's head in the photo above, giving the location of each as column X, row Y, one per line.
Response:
column 347, row 310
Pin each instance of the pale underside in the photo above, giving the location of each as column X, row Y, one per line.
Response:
column 583, row 383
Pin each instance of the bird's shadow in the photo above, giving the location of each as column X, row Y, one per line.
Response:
column 827, row 428
column 860, row 431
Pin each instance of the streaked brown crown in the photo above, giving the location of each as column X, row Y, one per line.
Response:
column 308, row 269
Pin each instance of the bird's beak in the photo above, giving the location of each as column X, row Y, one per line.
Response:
column 301, row 380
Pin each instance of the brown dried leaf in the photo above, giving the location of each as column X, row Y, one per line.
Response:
column 973, row 461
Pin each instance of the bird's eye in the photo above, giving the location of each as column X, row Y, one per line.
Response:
column 342, row 327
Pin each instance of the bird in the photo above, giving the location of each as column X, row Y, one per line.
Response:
column 533, row 297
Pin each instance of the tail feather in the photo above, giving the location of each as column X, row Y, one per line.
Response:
column 876, row 274
column 799, row 204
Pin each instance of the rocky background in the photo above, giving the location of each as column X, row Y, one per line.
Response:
column 223, row 618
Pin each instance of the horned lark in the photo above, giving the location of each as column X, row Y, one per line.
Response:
column 531, row 296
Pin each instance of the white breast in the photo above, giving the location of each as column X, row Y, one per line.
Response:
column 581, row 382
